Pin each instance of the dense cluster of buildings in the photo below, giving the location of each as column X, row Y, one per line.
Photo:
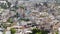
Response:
column 28, row 14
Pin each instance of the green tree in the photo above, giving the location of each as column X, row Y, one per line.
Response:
column 9, row 4
column 4, row 25
column 10, row 20
column 12, row 31
column 17, row 15
column 25, row 19
column 4, row 6
column 56, row 32
column 38, row 31
column 22, row 7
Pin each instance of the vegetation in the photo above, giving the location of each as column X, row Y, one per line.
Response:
column 56, row 32
column 22, row 7
column 24, row 19
column 12, row 31
column 38, row 31
column 4, row 6
column 4, row 25
column 10, row 20
column 15, row 7
column 9, row 4
column 17, row 15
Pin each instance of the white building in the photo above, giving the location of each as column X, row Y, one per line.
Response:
column 1, row 29
column 8, row 32
column 2, row 1
column 1, row 32
column 12, row 1
column 25, row 23
column 59, row 30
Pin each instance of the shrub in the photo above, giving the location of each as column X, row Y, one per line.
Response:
column 12, row 31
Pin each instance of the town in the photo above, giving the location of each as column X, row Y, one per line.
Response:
column 29, row 16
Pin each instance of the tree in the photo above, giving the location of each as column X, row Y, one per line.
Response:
column 38, row 31
column 4, row 6
column 56, row 32
column 9, row 4
column 22, row 7
column 3, row 25
column 10, row 20
column 45, row 4
column 12, row 31
column 25, row 19
column 17, row 15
